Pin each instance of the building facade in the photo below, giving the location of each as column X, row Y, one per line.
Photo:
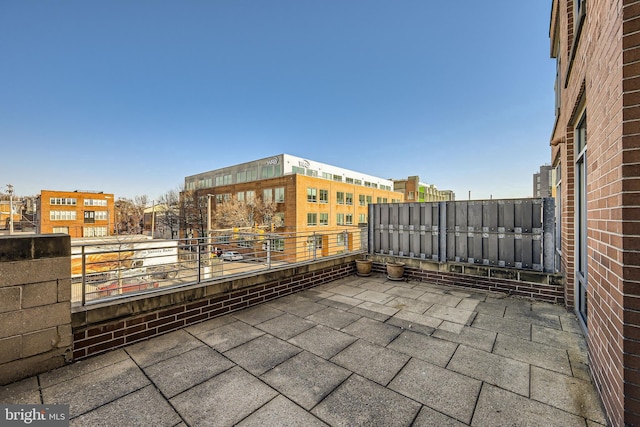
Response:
column 76, row 213
column 595, row 150
column 542, row 182
column 313, row 198
column 416, row 191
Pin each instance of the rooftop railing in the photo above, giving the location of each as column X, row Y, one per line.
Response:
column 117, row 267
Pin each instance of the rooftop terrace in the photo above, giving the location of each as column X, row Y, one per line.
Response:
column 356, row 351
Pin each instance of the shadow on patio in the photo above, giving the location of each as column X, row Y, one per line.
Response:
column 356, row 351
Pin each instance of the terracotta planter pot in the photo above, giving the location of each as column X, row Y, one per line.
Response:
column 363, row 266
column 395, row 270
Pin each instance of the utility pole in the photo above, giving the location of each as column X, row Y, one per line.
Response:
column 153, row 218
column 10, row 191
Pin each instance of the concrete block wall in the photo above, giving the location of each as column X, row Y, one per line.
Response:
column 35, row 305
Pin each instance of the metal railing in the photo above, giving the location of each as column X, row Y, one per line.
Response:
column 124, row 266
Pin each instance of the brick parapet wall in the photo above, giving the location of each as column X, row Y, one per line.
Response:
column 35, row 305
column 537, row 286
column 103, row 328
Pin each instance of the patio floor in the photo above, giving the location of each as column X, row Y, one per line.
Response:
column 358, row 351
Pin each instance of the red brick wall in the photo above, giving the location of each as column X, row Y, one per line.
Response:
column 495, row 282
column 98, row 338
column 606, row 66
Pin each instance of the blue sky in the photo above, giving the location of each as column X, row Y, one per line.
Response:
column 129, row 97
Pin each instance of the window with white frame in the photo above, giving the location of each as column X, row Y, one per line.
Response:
column 324, row 218
column 94, row 231
column 64, row 201
column 312, row 219
column 279, row 194
column 312, row 195
column 324, row 196
column 267, row 195
column 62, row 215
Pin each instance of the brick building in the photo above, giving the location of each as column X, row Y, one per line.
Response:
column 595, row 150
column 79, row 214
column 416, row 191
column 312, row 197
column 543, row 182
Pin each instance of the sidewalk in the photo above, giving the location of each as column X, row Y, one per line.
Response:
column 359, row 351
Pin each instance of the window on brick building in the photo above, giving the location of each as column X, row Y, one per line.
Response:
column 580, row 142
column 312, row 195
column 312, row 219
column 558, row 200
column 324, row 219
column 279, row 194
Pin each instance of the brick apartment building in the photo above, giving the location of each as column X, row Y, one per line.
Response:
column 312, row 197
column 79, row 214
column 416, row 191
column 543, row 182
column 595, row 150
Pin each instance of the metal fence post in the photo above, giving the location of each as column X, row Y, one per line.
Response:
column 442, row 231
column 548, row 230
column 84, row 278
column 268, row 253
column 370, row 227
column 198, row 265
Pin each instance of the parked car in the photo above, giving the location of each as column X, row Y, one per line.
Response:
column 231, row 256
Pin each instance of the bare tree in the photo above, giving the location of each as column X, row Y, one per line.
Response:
column 193, row 213
column 240, row 213
column 129, row 214
column 167, row 212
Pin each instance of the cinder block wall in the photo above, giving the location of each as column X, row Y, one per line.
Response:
column 35, row 304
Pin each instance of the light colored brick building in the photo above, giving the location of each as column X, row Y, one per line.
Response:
column 312, row 197
column 76, row 213
column 595, row 150
column 416, row 191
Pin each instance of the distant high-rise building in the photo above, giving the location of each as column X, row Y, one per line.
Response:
column 543, row 182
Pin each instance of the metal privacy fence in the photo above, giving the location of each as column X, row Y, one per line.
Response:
column 516, row 233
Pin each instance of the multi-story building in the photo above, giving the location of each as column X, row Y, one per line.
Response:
column 542, row 181
column 77, row 213
column 595, row 149
column 313, row 198
column 416, row 191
